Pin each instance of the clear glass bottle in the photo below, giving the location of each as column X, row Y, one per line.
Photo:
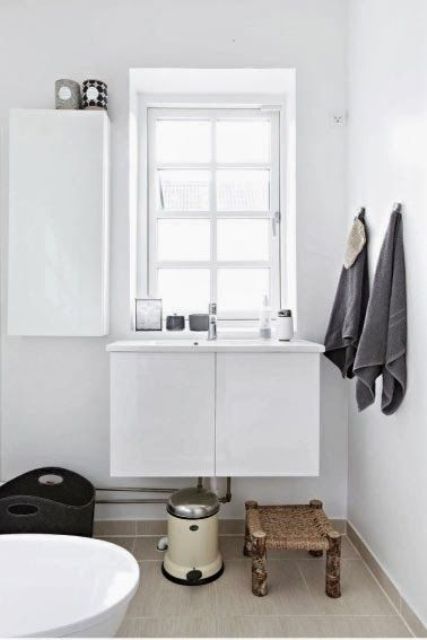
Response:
column 265, row 319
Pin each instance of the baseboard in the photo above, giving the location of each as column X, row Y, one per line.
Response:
column 408, row 614
column 159, row 527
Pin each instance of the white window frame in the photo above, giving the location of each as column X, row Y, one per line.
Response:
column 149, row 220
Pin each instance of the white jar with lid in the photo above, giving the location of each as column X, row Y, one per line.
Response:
column 285, row 325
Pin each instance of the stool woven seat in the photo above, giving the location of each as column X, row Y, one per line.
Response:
column 291, row 527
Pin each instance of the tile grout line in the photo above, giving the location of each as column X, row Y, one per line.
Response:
column 359, row 556
column 371, row 557
column 304, row 579
column 401, row 599
column 280, row 615
column 155, row 535
column 398, row 613
column 133, row 547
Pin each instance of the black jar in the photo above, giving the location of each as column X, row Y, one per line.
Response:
column 199, row 321
column 175, row 323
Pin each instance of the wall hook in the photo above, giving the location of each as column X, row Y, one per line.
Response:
column 361, row 213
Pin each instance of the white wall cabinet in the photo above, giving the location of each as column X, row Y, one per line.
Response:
column 58, row 223
column 201, row 414
column 162, row 414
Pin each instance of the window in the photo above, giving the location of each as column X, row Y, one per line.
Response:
column 213, row 203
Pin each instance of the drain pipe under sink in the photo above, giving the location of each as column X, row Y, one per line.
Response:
column 213, row 485
column 138, row 500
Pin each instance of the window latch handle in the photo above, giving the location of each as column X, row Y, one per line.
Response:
column 275, row 221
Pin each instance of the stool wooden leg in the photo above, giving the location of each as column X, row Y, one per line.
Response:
column 259, row 572
column 333, row 566
column 316, row 504
column 247, row 547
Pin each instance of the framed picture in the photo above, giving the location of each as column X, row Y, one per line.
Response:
column 148, row 314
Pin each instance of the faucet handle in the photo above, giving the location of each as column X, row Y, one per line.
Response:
column 212, row 308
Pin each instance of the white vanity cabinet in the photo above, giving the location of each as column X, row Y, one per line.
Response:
column 162, row 414
column 267, row 414
column 58, row 223
column 226, row 408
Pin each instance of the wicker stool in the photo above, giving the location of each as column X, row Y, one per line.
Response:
column 303, row 527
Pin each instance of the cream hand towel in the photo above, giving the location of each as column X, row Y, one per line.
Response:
column 349, row 308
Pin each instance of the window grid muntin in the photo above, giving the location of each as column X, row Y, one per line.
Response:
column 213, row 115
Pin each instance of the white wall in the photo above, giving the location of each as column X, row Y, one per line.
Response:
column 388, row 162
column 55, row 391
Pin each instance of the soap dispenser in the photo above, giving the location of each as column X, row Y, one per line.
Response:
column 265, row 319
column 285, row 325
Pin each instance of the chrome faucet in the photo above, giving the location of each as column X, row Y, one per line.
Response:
column 212, row 328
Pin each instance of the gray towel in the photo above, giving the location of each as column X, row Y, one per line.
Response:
column 382, row 347
column 348, row 311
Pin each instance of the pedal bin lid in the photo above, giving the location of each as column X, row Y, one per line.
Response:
column 193, row 503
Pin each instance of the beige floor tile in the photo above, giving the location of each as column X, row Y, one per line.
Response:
column 130, row 628
column 417, row 627
column 375, row 567
column 344, row 627
column 127, row 542
column 233, row 527
column 232, row 547
column 114, row 528
column 386, row 583
column 288, row 593
column 146, row 548
column 361, row 594
column 296, row 605
column 169, row 627
column 158, row 597
column 250, row 627
column 339, row 524
column 312, row 627
column 348, row 550
column 151, row 527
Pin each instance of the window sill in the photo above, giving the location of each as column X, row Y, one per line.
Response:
column 226, row 332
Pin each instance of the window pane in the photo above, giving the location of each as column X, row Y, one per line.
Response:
column 242, row 289
column 240, row 239
column 183, row 239
column 184, row 290
column 243, row 190
column 183, row 141
column 183, row 190
column 243, row 141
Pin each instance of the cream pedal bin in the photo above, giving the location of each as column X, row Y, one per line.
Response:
column 193, row 556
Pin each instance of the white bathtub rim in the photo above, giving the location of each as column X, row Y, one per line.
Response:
column 88, row 621
column 113, row 620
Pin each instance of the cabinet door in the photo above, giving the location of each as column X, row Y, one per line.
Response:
column 162, row 414
column 58, row 223
column 267, row 414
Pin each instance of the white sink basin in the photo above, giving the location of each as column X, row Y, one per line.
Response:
column 221, row 344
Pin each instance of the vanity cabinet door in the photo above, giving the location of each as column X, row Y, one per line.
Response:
column 162, row 414
column 267, row 414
